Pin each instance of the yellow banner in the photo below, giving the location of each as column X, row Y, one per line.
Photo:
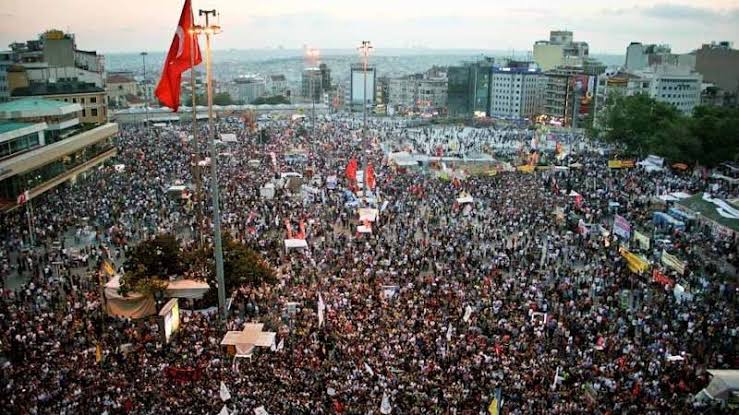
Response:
column 635, row 263
column 673, row 262
column 525, row 168
column 620, row 164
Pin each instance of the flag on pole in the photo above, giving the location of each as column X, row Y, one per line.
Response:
column 224, row 411
column 495, row 404
column 369, row 176
column 321, row 310
column 467, row 313
column 557, row 379
column 23, row 198
column 351, row 170
column 385, row 407
column 184, row 44
column 369, row 369
column 281, row 345
column 224, row 393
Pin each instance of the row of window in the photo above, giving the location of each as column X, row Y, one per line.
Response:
column 18, row 145
column 91, row 100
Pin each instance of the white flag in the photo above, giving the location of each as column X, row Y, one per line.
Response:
column 449, row 333
column 321, row 310
column 281, row 345
column 467, row 314
column 260, row 411
column 224, row 411
column 273, row 347
column 369, row 369
column 385, row 407
column 557, row 379
column 225, row 394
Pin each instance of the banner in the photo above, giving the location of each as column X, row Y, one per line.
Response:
column 525, row 168
column 642, row 240
column 661, row 278
column 621, row 227
column 621, row 164
column 635, row 263
column 673, row 262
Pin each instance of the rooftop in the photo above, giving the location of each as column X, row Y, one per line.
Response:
column 708, row 210
column 119, row 79
column 56, row 88
column 27, row 107
column 277, row 78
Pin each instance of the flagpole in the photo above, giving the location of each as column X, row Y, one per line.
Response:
column 215, row 192
column 195, row 144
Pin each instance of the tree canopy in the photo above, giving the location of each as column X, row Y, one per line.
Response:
column 273, row 100
column 644, row 126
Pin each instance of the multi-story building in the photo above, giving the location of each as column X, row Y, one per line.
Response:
column 277, row 85
column 311, row 84
column 120, row 88
column 674, row 85
column 362, row 86
column 325, row 77
column 246, row 89
column 559, row 50
column 517, row 90
column 639, row 57
column 91, row 97
column 568, row 91
column 468, row 90
column 6, row 60
column 719, row 65
column 43, row 145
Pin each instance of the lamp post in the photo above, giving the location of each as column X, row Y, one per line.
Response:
column 146, row 88
column 365, row 48
column 210, row 30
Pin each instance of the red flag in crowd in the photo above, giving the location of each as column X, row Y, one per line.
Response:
column 23, row 198
column 369, row 176
column 351, row 170
column 184, row 44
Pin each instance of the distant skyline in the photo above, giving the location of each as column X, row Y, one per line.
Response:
column 608, row 27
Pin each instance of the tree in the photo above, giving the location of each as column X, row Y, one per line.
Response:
column 241, row 266
column 273, row 100
column 221, row 98
column 717, row 128
column 150, row 261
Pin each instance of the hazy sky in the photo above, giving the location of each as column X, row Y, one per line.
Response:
column 608, row 26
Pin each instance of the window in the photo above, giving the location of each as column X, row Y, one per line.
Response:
column 84, row 113
column 93, row 100
column 94, row 112
column 74, row 100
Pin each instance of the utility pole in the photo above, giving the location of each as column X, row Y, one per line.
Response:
column 146, row 89
column 365, row 49
column 218, row 248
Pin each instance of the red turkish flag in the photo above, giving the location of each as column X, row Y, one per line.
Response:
column 183, row 45
column 369, row 176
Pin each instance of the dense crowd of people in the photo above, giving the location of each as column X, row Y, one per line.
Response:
column 440, row 306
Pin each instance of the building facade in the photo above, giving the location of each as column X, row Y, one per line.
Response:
column 517, row 90
column 362, row 86
column 277, row 85
column 43, row 145
column 417, row 92
column 673, row 85
column 719, row 65
column 559, row 50
column 311, row 84
column 6, row 60
column 90, row 97
column 568, row 93
column 119, row 88
column 246, row 89
column 468, row 90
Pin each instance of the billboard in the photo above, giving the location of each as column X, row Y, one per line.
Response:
column 586, row 85
column 357, row 86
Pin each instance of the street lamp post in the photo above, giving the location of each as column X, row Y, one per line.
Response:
column 146, row 88
column 311, row 57
column 365, row 48
column 209, row 30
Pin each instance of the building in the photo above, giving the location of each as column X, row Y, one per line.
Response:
column 468, row 90
column 517, row 90
column 91, row 97
column 119, row 87
column 43, row 144
column 277, row 85
column 361, row 86
column 6, row 60
column 719, row 65
column 311, row 84
column 674, row 85
column 325, row 77
column 568, row 90
column 559, row 50
column 246, row 89
column 640, row 57
column 417, row 92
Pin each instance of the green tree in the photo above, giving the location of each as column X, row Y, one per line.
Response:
column 273, row 100
column 221, row 98
column 150, row 261
column 717, row 128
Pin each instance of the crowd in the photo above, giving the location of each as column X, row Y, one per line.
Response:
column 437, row 309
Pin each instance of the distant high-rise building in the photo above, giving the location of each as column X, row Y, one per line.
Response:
column 568, row 93
column 246, row 89
column 719, row 65
column 468, row 88
column 6, row 59
column 357, row 91
column 517, row 90
column 559, row 50
column 277, row 85
column 640, row 57
column 636, row 57
column 417, row 92
column 311, row 84
column 325, row 77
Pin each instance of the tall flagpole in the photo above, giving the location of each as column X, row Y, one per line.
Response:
column 215, row 192
column 195, row 144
